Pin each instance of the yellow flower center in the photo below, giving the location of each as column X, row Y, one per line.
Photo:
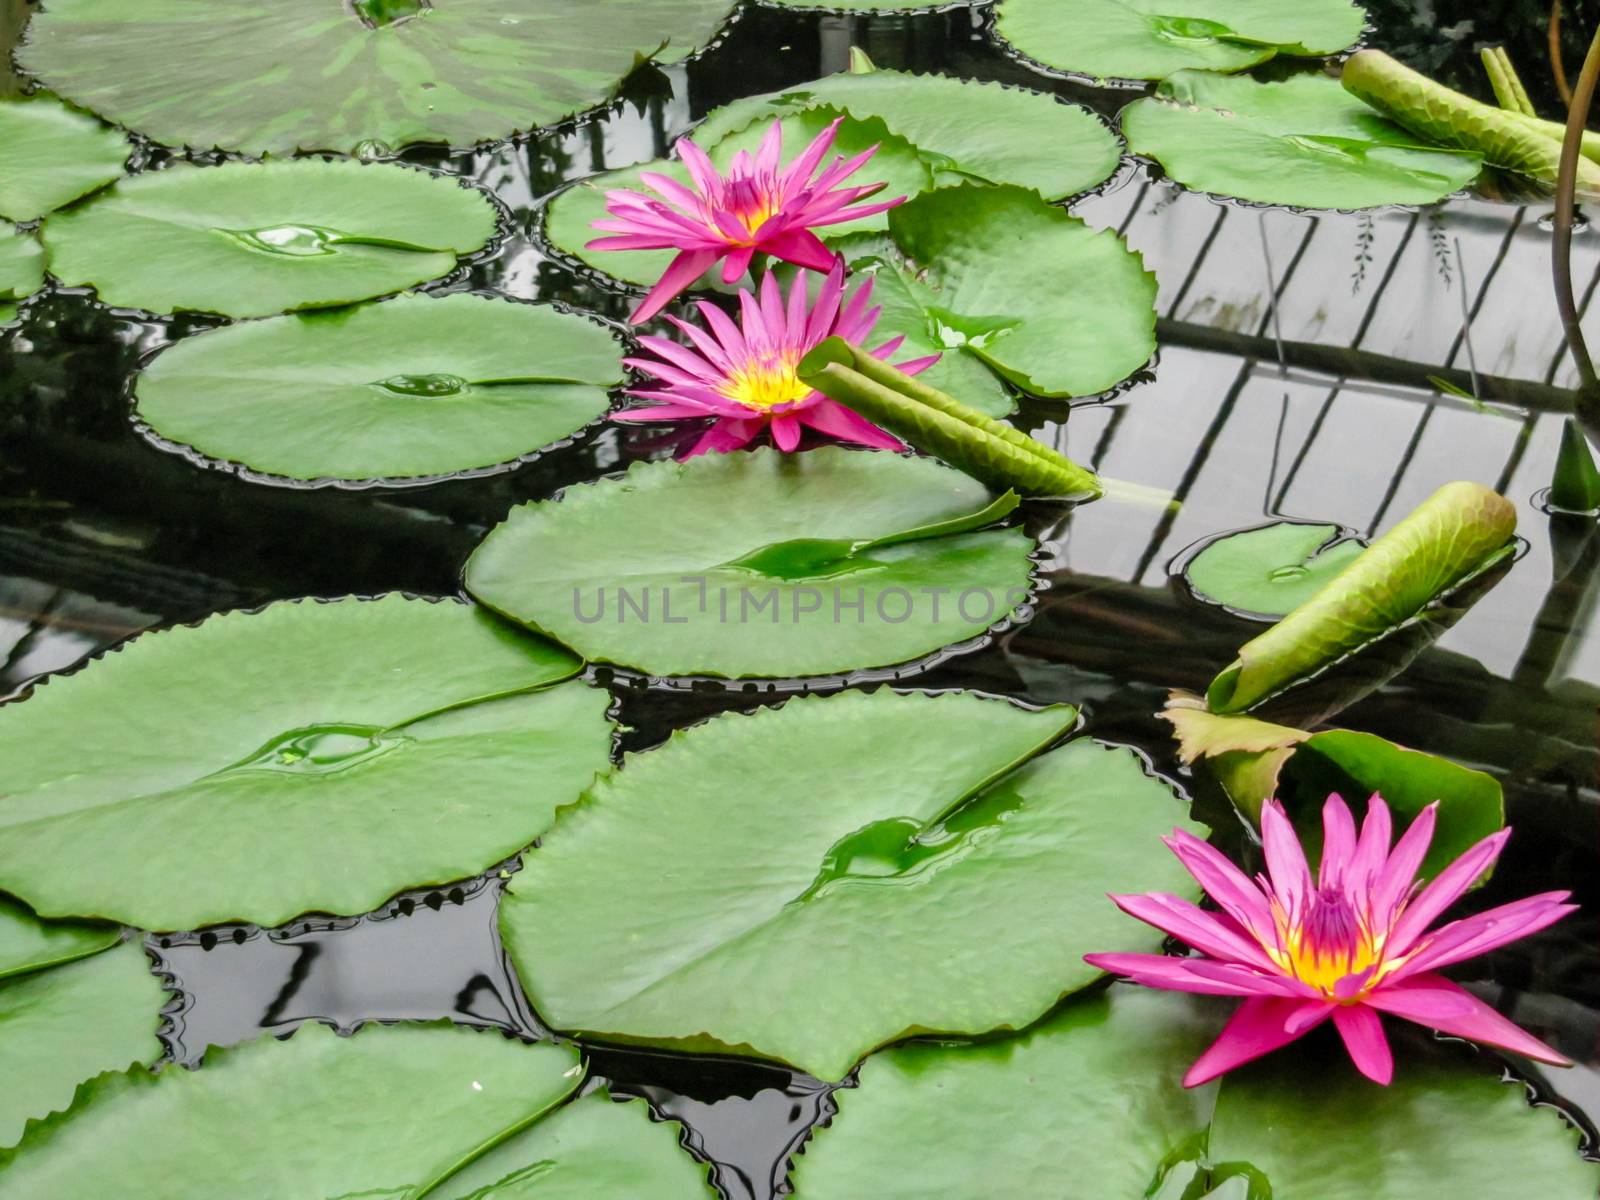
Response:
column 1326, row 943
column 765, row 383
column 749, row 203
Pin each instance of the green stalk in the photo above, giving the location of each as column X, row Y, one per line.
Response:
column 1505, row 81
column 1431, row 110
column 1569, row 181
column 938, row 424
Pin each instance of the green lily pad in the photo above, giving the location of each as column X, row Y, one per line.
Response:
column 986, row 1120
column 1076, row 327
column 1440, row 1129
column 410, row 387
column 21, row 268
column 391, row 1112
column 52, row 155
column 27, row 943
column 569, row 217
column 1270, row 570
column 758, row 564
column 61, row 1027
column 275, row 76
column 591, row 1149
column 253, row 239
column 360, row 747
column 896, row 860
column 1151, row 39
column 1456, row 534
column 1304, row 142
column 1255, row 760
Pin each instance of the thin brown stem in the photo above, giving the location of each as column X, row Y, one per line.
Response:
column 1561, row 242
column 1556, row 66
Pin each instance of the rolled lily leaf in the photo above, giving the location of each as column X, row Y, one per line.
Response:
column 1576, row 487
column 1459, row 531
column 1253, row 761
column 987, row 449
column 1431, row 110
column 1505, row 81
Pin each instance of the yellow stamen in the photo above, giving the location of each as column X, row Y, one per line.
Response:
column 766, row 383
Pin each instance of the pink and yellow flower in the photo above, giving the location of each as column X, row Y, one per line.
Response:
column 759, row 207
column 745, row 375
column 1348, row 945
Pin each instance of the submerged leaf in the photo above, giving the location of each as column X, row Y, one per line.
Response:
column 1151, row 39
column 410, row 387
column 1305, row 142
column 590, row 1149
column 275, row 76
column 359, row 747
column 884, row 856
column 1459, row 531
column 390, row 1112
column 27, row 943
column 253, row 239
column 61, row 1027
column 674, row 568
column 1270, row 570
column 52, row 155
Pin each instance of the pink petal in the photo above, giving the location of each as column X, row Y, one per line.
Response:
column 1362, row 1031
column 771, row 152
column 680, row 356
column 685, row 269
column 800, row 169
column 837, row 421
column 1180, row 918
column 674, row 191
column 856, row 214
column 1286, row 861
column 737, row 263
column 699, row 166
column 1400, row 871
column 1447, row 887
column 1475, row 935
column 1230, row 887
column 801, row 247
column 1338, row 841
column 726, row 332
column 1198, row 975
column 826, row 308
column 773, row 317
column 915, row 366
column 785, row 432
column 631, row 241
column 661, row 412
column 726, row 435
column 1372, row 850
column 1261, row 1026
column 1433, row 1001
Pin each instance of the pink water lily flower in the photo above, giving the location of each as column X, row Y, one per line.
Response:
column 1350, row 944
column 758, row 207
column 745, row 375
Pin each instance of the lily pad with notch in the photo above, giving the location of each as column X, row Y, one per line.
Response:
column 414, row 386
column 360, row 747
column 254, row 239
column 53, row 155
column 63, row 1026
column 1269, row 571
column 908, row 863
column 759, row 564
column 1304, row 142
column 331, row 1117
column 1152, row 39
column 28, row 943
column 276, row 76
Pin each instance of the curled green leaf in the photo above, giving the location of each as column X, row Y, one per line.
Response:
column 1576, row 487
column 932, row 421
column 1459, row 531
column 1505, row 81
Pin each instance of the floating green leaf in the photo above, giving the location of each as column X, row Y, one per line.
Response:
column 1151, row 39
column 1254, row 760
column 253, row 239
column 1305, row 142
column 391, row 1112
column 358, row 747
column 1461, row 530
column 1576, row 486
column 884, row 856
column 27, row 943
column 931, row 421
column 274, row 76
column 413, row 386
column 1272, row 569
column 986, row 1120
column 1056, row 307
column 61, row 1027
column 757, row 564
column 52, row 155
column 590, row 1149
column 21, row 268
column 1440, row 1129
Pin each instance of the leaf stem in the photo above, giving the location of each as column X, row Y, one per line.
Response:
column 1561, row 240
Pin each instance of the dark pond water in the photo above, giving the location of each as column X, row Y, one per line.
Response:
column 1293, row 380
